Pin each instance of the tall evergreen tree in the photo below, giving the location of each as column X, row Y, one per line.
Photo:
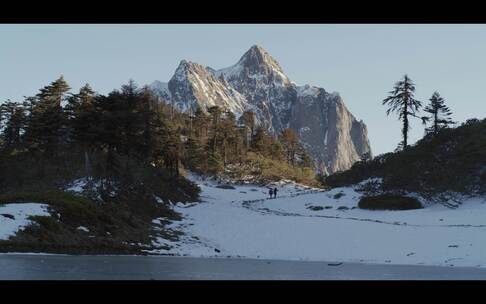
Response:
column 171, row 152
column 12, row 123
column 200, row 123
column 48, row 123
column 228, row 136
column 215, row 130
column 305, row 159
column 249, row 121
column 84, row 122
column 401, row 100
column 195, row 157
column 259, row 141
column 439, row 114
column 291, row 143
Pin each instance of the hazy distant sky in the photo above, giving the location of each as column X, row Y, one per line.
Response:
column 361, row 62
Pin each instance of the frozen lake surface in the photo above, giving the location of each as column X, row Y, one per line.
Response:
column 64, row 267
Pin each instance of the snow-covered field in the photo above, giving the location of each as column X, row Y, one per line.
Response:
column 14, row 217
column 312, row 225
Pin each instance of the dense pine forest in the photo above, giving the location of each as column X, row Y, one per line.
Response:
column 130, row 133
column 54, row 137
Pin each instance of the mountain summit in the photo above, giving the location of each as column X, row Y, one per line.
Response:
column 331, row 134
column 256, row 63
column 195, row 86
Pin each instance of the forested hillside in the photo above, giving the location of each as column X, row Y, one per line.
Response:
column 55, row 137
column 115, row 162
column 68, row 135
column 448, row 160
column 446, row 163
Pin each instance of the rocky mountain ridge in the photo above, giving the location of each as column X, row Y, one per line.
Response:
column 334, row 138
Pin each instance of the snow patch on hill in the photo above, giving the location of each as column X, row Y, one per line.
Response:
column 15, row 216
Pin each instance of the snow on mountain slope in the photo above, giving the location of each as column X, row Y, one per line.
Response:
column 307, row 224
column 257, row 64
column 260, row 79
column 194, row 86
column 161, row 89
column 334, row 138
column 307, row 91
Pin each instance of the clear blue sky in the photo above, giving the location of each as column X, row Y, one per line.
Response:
column 361, row 62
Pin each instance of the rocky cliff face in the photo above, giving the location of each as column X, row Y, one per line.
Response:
column 330, row 133
column 194, row 86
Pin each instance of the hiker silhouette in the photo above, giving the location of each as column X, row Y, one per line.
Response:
column 270, row 192
column 275, row 193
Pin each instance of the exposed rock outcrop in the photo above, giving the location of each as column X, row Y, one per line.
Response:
column 331, row 134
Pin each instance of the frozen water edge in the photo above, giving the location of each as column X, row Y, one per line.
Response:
column 88, row 267
column 241, row 222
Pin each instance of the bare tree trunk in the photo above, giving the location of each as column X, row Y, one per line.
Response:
column 405, row 125
column 87, row 165
column 435, row 123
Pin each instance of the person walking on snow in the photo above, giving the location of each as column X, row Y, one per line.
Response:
column 275, row 193
column 270, row 192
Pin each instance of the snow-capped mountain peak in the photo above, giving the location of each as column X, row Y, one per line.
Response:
column 195, row 86
column 256, row 64
column 186, row 68
column 331, row 134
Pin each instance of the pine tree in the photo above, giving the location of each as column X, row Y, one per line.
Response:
column 110, row 129
column 129, row 98
column 195, row 157
column 200, row 124
column 275, row 149
column 48, row 123
column 215, row 128
column 228, row 135
column 401, row 100
column 150, row 128
column 439, row 114
column 291, row 144
column 79, row 107
column 242, row 143
column 83, row 122
column 215, row 114
column 171, row 154
column 249, row 121
column 259, row 141
column 115, row 131
column 305, row 159
column 13, row 120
